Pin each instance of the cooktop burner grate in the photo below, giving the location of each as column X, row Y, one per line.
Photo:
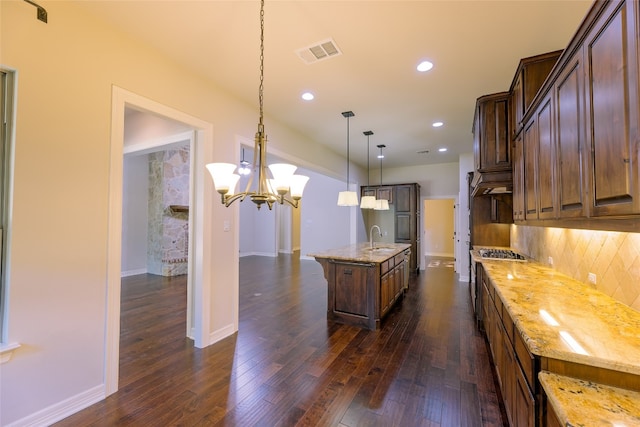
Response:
column 505, row 254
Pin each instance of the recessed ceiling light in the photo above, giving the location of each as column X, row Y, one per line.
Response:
column 424, row 66
column 437, row 124
column 442, row 150
column 307, row 96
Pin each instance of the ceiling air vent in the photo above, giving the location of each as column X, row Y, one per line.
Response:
column 319, row 51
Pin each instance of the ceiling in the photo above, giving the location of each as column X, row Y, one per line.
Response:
column 475, row 47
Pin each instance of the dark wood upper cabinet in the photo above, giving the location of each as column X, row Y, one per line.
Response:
column 576, row 157
column 518, row 178
column 612, row 99
column 527, row 81
column 546, row 160
column 530, row 163
column 490, row 133
column 569, row 89
column 404, row 197
column 491, row 145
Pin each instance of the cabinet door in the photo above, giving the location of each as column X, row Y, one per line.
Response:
column 351, row 289
column 384, row 294
column 551, row 419
column 509, row 365
column 368, row 191
column 385, row 193
column 492, row 148
column 404, row 232
column 570, row 139
column 525, row 405
column 518, row 179
column 517, row 104
column 612, row 111
column 530, row 154
column 403, row 198
column 496, row 343
column 546, row 159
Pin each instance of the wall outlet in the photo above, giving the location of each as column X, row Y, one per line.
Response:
column 592, row 278
column 550, row 261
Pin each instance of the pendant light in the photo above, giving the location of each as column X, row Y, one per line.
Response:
column 347, row 198
column 368, row 202
column 268, row 191
column 381, row 204
column 244, row 168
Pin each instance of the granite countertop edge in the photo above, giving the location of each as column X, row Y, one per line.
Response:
column 531, row 326
column 362, row 253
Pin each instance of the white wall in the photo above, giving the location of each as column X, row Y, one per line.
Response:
column 324, row 224
column 135, row 197
column 463, row 237
column 435, row 180
column 57, row 274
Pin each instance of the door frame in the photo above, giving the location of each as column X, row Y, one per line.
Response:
column 200, row 272
column 423, row 214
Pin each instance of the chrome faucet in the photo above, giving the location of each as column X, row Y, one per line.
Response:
column 371, row 234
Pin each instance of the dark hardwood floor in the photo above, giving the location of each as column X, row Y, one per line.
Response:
column 426, row 366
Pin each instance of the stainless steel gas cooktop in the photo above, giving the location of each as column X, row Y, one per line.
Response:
column 498, row 254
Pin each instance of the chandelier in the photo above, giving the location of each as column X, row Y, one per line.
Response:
column 284, row 187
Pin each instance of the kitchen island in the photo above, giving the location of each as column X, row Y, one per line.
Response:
column 364, row 281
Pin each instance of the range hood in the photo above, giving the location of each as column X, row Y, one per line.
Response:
column 488, row 183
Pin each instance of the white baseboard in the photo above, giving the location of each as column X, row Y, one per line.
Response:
column 443, row 254
column 133, row 272
column 463, row 278
column 221, row 334
column 307, row 257
column 62, row 410
column 269, row 254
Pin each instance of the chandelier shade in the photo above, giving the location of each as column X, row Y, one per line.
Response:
column 284, row 187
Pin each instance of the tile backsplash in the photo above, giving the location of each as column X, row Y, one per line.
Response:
column 613, row 257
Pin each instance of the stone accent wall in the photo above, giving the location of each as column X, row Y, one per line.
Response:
column 614, row 257
column 168, row 244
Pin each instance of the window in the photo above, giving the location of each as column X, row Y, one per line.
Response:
column 7, row 103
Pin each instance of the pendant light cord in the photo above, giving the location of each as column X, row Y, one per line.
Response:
column 261, row 87
column 347, row 153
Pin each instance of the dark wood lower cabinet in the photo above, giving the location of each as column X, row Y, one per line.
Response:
column 350, row 294
column 524, row 402
column 361, row 293
column 514, row 365
column 550, row 417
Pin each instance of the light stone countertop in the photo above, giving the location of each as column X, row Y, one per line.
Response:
column 561, row 318
column 362, row 252
column 584, row 403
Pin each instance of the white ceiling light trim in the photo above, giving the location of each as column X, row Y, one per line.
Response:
column 424, row 66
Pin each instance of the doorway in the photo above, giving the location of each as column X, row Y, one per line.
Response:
column 439, row 228
column 200, row 273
